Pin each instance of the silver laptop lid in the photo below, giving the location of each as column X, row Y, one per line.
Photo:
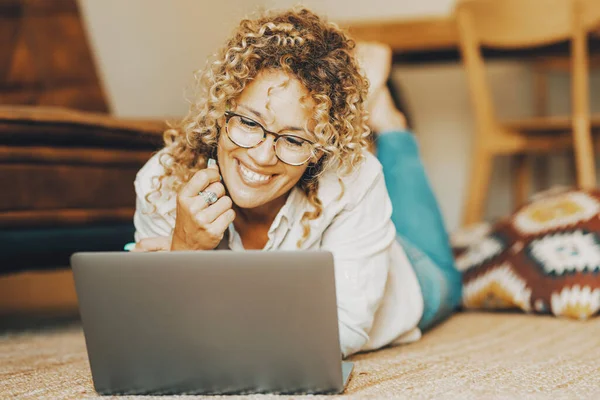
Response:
column 210, row 322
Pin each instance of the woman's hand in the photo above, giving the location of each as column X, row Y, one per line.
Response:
column 198, row 225
column 158, row 243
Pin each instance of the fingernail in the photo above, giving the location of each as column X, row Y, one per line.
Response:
column 129, row 246
column 212, row 163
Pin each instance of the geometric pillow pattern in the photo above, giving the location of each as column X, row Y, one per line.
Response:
column 545, row 258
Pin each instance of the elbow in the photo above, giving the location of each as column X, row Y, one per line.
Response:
column 353, row 338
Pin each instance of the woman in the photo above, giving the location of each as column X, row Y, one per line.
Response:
column 282, row 111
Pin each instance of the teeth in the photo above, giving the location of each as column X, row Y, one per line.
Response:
column 253, row 176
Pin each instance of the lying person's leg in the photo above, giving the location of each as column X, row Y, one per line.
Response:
column 416, row 213
column 420, row 225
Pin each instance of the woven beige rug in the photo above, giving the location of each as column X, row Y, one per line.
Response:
column 471, row 356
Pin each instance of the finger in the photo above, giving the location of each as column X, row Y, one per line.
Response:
column 200, row 204
column 212, row 163
column 152, row 244
column 221, row 224
column 210, row 214
column 217, row 188
column 199, row 182
column 136, row 249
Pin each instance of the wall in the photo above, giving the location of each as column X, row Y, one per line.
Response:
column 148, row 49
column 372, row 9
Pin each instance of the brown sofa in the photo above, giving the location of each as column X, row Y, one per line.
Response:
column 65, row 176
column 67, row 183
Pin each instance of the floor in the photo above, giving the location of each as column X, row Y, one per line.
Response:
column 471, row 356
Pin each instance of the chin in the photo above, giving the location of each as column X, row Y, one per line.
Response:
column 246, row 200
column 245, row 196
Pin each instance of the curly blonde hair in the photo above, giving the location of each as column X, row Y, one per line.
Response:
column 306, row 47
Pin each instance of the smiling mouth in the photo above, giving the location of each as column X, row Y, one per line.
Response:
column 251, row 177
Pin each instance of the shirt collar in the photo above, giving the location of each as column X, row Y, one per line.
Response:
column 295, row 204
column 289, row 212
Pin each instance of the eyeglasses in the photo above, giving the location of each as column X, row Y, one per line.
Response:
column 247, row 133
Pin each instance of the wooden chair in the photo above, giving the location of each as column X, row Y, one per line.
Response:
column 522, row 24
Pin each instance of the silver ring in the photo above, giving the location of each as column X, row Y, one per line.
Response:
column 209, row 197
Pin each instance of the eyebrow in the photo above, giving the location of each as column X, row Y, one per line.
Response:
column 259, row 115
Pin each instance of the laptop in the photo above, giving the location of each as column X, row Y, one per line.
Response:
column 213, row 322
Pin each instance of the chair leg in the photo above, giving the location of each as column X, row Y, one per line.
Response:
column 480, row 176
column 582, row 135
column 522, row 179
column 584, row 158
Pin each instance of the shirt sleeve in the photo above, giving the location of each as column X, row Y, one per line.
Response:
column 360, row 238
column 149, row 218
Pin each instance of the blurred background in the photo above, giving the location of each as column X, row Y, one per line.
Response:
column 134, row 60
column 146, row 51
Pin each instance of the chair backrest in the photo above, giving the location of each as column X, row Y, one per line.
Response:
column 520, row 24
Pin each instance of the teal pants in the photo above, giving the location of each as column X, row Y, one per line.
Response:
column 420, row 226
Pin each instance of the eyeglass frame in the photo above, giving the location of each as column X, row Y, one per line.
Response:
column 231, row 114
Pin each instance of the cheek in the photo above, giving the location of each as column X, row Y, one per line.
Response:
column 225, row 160
column 294, row 173
column 221, row 143
column 224, row 149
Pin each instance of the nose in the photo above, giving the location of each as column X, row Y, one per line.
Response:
column 264, row 153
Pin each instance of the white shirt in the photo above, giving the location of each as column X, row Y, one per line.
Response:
column 378, row 295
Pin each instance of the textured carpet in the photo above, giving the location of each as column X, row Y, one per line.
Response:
column 471, row 356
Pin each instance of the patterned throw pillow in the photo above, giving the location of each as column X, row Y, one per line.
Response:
column 545, row 258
